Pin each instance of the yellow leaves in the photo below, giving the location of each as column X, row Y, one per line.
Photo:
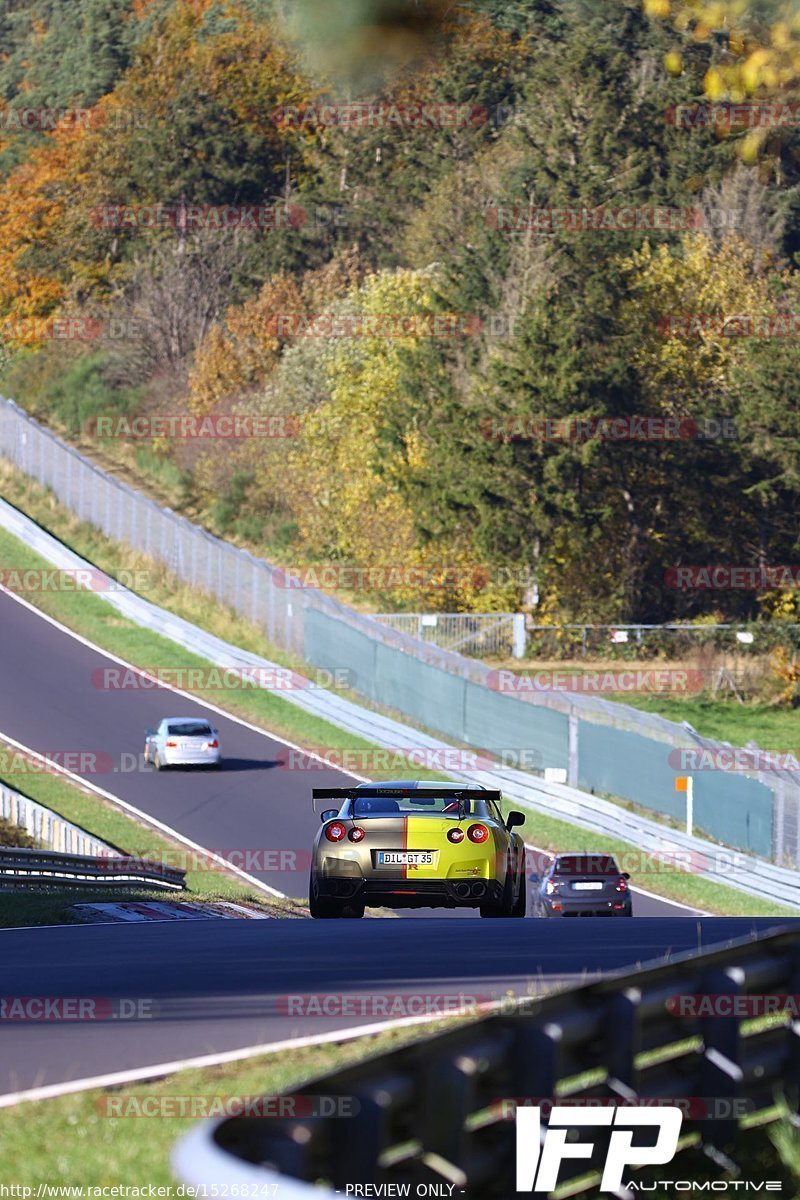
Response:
column 682, row 298
column 673, row 62
column 657, row 8
column 714, row 84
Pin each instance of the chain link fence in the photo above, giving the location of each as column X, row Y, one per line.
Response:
column 481, row 635
column 604, row 746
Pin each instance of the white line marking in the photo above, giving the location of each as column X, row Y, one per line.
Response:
column 113, row 1079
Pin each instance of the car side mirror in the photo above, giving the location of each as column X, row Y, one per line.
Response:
column 148, row 733
column 514, row 818
column 625, row 875
column 329, row 813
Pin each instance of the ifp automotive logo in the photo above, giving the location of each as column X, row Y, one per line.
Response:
column 540, row 1155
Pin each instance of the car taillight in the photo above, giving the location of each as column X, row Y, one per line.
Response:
column 550, row 887
column 356, row 834
column 213, row 745
column 173, row 744
column 622, row 884
column 335, row 831
column 455, row 835
column 477, row 833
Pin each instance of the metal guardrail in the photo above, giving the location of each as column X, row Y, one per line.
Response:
column 746, row 873
column 434, row 1112
column 26, row 869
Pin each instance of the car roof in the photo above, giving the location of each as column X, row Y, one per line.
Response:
column 420, row 785
column 204, row 719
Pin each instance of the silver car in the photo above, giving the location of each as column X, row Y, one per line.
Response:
column 182, row 742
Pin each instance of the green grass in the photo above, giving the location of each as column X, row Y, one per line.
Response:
column 768, row 725
column 70, row 1140
column 88, row 614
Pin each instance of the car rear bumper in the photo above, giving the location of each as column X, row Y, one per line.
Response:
column 190, row 758
column 586, row 908
column 412, row 893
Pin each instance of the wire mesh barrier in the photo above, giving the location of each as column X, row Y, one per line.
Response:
column 442, row 1111
column 481, row 635
column 627, row 641
column 606, row 747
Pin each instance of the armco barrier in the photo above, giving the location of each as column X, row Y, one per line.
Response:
column 433, row 1113
column 604, row 746
column 754, row 876
column 26, row 869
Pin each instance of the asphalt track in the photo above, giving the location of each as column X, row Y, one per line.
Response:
column 221, row 985
column 258, row 805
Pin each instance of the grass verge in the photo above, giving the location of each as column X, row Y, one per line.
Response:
column 70, row 1140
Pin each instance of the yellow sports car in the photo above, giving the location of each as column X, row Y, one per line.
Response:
column 416, row 845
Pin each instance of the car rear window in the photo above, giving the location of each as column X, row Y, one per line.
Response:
column 413, row 804
column 189, row 729
column 586, row 864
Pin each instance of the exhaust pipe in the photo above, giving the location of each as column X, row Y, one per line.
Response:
column 461, row 890
column 479, row 888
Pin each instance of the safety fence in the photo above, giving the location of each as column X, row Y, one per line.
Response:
column 481, row 635
column 441, row 1111
column 604, row 746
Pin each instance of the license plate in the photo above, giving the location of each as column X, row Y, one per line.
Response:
column 405, row 858
column 588, row 887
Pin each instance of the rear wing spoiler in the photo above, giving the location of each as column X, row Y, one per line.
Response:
column 349, row 793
